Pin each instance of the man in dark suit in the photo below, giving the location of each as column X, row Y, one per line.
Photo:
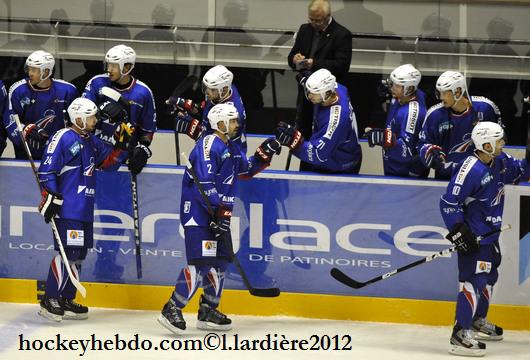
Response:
column 321, row 43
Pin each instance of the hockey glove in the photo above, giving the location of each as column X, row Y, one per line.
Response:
column 433, row 156
column 114, row 112
column 381, row 137
column 50, row 204
column 267, row 149
column 220, row 225
column 179, row 104
column 464, row 240
column 122, row 135
column 185, row 124
column 287, row 135
column 35, row 136
column 302, row 76
column 138, row 158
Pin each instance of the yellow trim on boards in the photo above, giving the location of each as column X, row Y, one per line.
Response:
column 359, row 308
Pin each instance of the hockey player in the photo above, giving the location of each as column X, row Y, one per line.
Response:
column 68, row 181
column 119, row 63
column 445, row 138
column 334, row 146
column 3, row 102
column 217, row 163
column 40, row 102
column 403, row 124
column 472, row 206
column 218, row 89
column 140, row 112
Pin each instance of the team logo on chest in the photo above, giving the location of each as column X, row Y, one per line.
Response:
column 463, row 146
column 89, row 170
column 500, row 194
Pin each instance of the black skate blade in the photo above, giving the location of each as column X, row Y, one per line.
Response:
column 269, row 292
column 345, row 279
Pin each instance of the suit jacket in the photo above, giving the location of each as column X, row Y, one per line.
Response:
column 334, row 49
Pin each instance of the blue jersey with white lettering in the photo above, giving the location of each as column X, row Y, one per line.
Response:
column 46, row 108
column 234, row 99
column 334, row 145
column 217, row 166
column 68, row 168
column 452, row 132
column 405, row 121
column 475, row 194
column 142, row 112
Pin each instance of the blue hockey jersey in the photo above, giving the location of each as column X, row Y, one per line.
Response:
column 46, row 108
column 3, row 102
column 69, row 167
column 475, row 194
column 452, row 131
column 217, row 166
column 405, row 121
column 334, row 145
column 142, row 112
column 234, row 99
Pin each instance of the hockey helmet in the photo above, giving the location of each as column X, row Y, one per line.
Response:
column 81, row 108
column 321, row 82
column 222, row 113
column 451, row 80
column 42, row 60
column 486, row 132
column 121, row 55
column 407, row 76
column 218, row 78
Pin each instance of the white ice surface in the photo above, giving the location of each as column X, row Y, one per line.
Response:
column 368, row 340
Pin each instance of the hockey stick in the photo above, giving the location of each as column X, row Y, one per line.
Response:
column 116, row 96
column 136, row 221
column 73, row 279
column 299, row 104
column 261, row 292
column 348, row 281
column 179, row 90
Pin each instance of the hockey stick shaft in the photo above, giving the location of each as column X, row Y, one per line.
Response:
column 299, row 104
column 73, row 279
column 116, row 96
column 179, row 90
column 346, row 280
column 136, row 222
column 267, row 292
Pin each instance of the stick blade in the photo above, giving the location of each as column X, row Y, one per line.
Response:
column 110, row 93
column 268, row 292
column 345, row 279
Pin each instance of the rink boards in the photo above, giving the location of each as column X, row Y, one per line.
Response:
column 290, row 229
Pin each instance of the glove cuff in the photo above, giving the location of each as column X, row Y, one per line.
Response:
column 147, row 151
column 298, row 140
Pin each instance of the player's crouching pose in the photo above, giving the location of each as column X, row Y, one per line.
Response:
column 472, row 206
column 217, row 163
column 68, row 181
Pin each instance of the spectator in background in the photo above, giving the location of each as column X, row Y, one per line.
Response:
column 321, row 43
column 163, row 17
column 102, row 27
